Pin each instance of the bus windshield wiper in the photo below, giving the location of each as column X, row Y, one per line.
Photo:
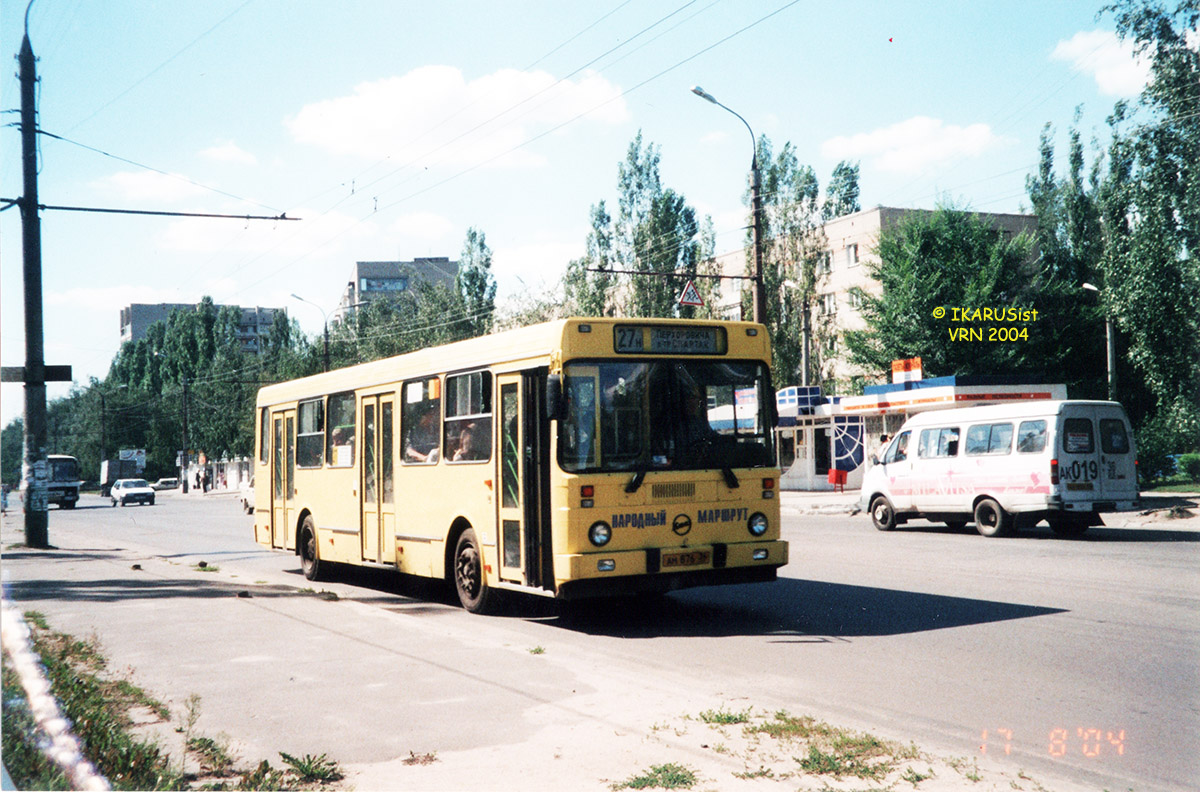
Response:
column 731, row 480
column 635, row 483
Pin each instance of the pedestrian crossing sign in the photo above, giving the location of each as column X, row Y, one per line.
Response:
column 691, row 296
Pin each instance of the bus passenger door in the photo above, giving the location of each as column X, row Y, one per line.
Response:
column 510, row 473
column 378, row 479
column 522, row 462
column 283, row 472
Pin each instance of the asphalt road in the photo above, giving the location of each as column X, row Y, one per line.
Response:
column 1076, row 658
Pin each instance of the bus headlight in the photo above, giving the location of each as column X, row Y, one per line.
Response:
column 599, row 534
column 757, row 524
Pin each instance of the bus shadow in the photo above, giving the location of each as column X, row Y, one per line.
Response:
column 787, row 611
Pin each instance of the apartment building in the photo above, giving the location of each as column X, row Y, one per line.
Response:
column 374, row 280
column 255, row 322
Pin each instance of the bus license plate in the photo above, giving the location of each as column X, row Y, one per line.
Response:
column 686, row 558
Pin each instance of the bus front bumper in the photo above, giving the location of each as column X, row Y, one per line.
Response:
column 659, row 570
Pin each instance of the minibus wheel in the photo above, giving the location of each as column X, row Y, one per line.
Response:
column 468, row 573
column 882, row 513
column 991, row 519
column 310, row 561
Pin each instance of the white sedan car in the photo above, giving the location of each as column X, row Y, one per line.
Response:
column 127, row 491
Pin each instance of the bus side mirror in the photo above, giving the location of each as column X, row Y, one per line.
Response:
column 554, row 398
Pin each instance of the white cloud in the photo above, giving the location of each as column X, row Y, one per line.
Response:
column 914, row 145
column 425, row 226
column 524, row 268
column 417, row 117
column 149, row 186
column 1112, row 62
column 229, row 152
column 714, row 137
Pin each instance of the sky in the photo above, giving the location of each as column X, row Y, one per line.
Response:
column 390, row 128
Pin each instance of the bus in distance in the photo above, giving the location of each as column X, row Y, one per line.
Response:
column 576, row 458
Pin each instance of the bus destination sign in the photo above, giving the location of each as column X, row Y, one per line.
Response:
column 668, row 340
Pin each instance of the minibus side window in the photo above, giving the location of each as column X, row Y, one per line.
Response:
column 1031, row 437
column 1112, row 436
column 941, row 442
column 989, row 439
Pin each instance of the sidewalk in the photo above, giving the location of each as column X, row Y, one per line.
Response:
column 794, row 502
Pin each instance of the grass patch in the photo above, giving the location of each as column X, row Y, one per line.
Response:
column 313, row 769
column 328, row 596
column 664, row 776
column 99, row 710
column 761, row 772
column 415, row 758
column 537, row 650
column 723, row 717
column 834, row 751
column 204, row 566
column 213, row 756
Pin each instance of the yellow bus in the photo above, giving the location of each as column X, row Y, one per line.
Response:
column 577, row 458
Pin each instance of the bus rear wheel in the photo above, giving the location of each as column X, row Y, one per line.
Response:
column 310, row 560
column 468, row 573
column 991, row 519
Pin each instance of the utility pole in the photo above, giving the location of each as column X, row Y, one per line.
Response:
column 36, row 471
column 184, row 471
column 760, row 298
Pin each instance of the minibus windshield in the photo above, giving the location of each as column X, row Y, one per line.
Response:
column 665, row 415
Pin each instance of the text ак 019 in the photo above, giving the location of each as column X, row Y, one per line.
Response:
column 670, row 340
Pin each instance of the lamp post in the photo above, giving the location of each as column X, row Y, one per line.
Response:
column 1112, row 348
column 760, row 305
column 324, row 319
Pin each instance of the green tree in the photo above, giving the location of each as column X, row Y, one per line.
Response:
column 12, row 451
column 475, row 284
column 1150, row 215
column 586, row 291
column 841, row 196
column 655, row 236
column 946, row 259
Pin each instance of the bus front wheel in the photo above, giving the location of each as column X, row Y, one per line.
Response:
column 468, row 573
column 310, row 561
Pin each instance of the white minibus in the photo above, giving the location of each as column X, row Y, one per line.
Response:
column 1007, row 466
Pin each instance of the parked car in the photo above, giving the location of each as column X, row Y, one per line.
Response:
column 166, row 484
column 127, row 491
column 247, row 495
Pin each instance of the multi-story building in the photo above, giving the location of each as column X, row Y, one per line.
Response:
column 374, row 280
column 852, row 242
column 254, row 323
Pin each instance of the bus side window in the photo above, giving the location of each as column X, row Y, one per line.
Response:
column 340, row 452
column 420, row 421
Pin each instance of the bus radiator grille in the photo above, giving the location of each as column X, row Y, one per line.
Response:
column 673, row 490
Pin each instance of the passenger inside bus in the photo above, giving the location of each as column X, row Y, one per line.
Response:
column 469, row 447
column 422, row 441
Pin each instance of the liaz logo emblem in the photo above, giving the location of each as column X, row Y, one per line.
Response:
column 681, row 524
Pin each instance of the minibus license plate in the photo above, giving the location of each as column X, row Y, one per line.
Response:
column 686, row 558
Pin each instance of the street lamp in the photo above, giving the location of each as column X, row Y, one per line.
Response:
column 760, row 305
column 1112, row 348
column 325, row 319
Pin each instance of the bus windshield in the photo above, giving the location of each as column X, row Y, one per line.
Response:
column 665, row 415
column 64, row 469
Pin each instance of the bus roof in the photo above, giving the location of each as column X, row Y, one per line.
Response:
column 518, row 348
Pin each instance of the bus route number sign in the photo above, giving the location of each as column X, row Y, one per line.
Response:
column 669, row 340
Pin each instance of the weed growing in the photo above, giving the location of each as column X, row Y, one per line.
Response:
column 664, row 776
column 723, row 717
column 313, row 769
